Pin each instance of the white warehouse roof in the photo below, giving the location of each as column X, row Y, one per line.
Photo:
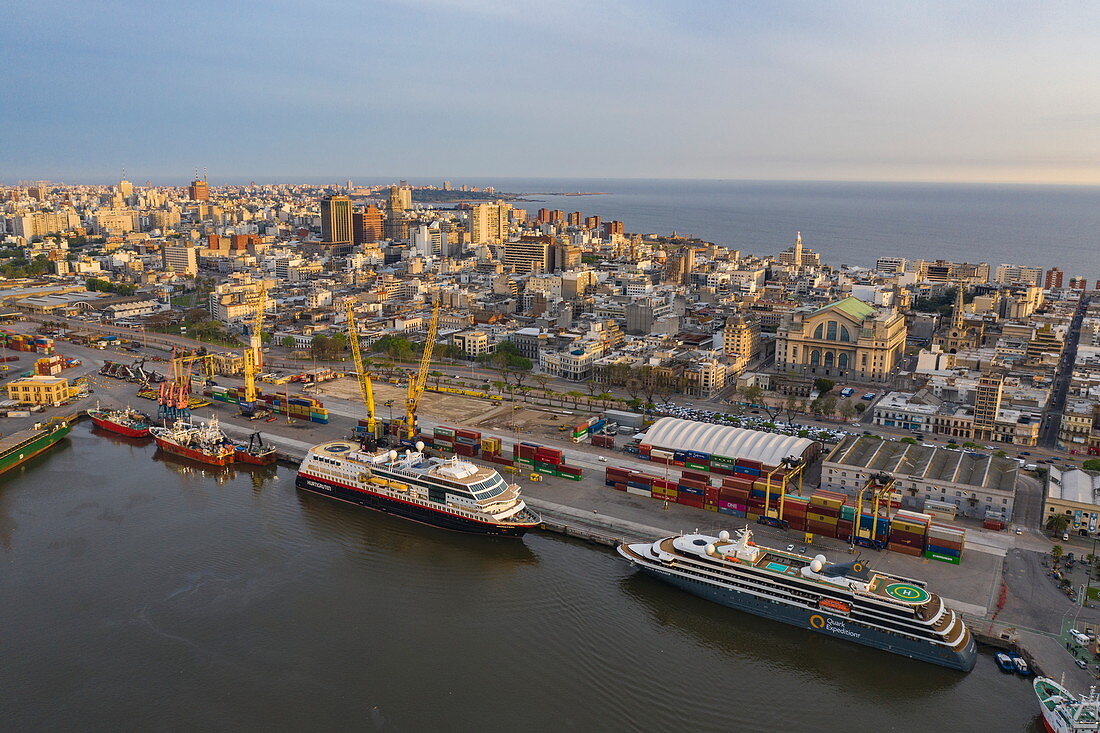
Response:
column 769, row 448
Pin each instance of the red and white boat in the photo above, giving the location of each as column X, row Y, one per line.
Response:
column 1064, row 712
column 203, row 442
column 128, row 422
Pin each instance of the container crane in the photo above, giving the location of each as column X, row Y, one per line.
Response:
column 253, row 357
column 420, row 380
column 365, row 385
column 879, row 486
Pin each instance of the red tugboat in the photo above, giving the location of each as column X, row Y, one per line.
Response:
column 205, row 442
column 128, row 422
column 256, row 452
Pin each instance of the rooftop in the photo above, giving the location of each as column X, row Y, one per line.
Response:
column 925, row 462
column 1078, row 486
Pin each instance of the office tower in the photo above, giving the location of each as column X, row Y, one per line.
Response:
column 529, row 254
column 489, row 223
column 336, row 221
column 125, row 189
column 368, row 225
column 891, row 265
column 199, row 190
column 400, row 198
column 1053, row 279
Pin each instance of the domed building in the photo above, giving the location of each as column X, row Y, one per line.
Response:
column 848, row 339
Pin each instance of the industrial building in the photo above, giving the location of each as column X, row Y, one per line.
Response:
column 1075, row 493
column 980, row 485
column 39, row 390
column 706, row 441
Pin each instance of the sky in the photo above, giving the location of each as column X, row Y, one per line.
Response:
column 282, row 90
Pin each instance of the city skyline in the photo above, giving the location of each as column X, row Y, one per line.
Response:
column 446, row 88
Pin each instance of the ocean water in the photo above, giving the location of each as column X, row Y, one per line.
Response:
column 849, row 223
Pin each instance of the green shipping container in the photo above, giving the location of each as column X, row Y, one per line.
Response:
column 698, row 466
column 569, row 476
column 528, row 461
column 941, row 557
column 547, row 471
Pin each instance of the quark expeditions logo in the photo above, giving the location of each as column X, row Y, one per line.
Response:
column 832, row 625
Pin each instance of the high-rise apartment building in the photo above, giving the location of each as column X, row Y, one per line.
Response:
column 199, row 190
column 529, row 254
column 400, row 199
column 125, row 189
column 489, row 223
column 181, row 256
column 987, row 402
column 1018, row 274
column 336, row 220
column 593, row 222
column 891, row 265
column 612, row 228
column 575, row 219
column 1053, row 279
column 1077, row 283
column 368, row 225
column 543, row 216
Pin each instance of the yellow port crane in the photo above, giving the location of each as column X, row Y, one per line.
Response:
column 879, row 486
column 253, row 358
column 418, row 381
column 365, row 385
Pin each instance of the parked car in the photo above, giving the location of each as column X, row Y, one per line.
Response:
column 869, row 396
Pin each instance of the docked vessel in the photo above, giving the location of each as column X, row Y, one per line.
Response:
column 450, row 493
column 23, row 445
column 255, row 452
column 203, row 442
column 846, row 601
column 1064, row 712
column 128, row 422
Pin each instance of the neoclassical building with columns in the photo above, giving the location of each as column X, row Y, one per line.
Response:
column 845, row 340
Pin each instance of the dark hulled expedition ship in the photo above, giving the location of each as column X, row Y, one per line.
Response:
column 846, row 601
column 449, row 493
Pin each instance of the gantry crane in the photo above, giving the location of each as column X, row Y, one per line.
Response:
column 365, row 385
column 879, row 486
column 418, row 381
column 253, row 358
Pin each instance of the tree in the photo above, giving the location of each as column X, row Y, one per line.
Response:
column 861, row 407
column 828, row 404
column 752, row 394
column 541, row 380
column 791, row 406
column 823, row 386
column 1001, row 454
column 320, row 346
column 592, row 387
column 847, row 410
column 288, row 342
column 576, row 396
column 1057, row 523
column 909, row 441
column 1092, row 464
column 1056, row 553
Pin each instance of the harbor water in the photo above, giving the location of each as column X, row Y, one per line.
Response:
column 143, row 592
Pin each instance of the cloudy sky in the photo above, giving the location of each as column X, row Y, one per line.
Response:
column 285, row 89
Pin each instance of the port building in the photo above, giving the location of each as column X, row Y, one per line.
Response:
column 980, row 485
column 706, row 443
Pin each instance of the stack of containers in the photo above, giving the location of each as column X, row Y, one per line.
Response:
column 747, row 467
column 945, row 543
column 697, row 460
column 547, row 459
column 49, row 366
column 881, row 526
column 665, row 489
column 614, row 476
column 722, row 465
column 642, row 483
column 43, row 345
column 846, row 521
column 467, row 442
column 908, row 532
column 795, row 509
column 643, row 451
column 443, row 438
column 733, row 496
column 603, row 441
column 823, row 512
column 524, row 452
column 656, row 455
column 691, row 492
column 490, row 446
column 573, row 473
column 299, row 406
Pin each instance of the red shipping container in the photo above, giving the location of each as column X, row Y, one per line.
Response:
column 620, row 486
column 690, row 500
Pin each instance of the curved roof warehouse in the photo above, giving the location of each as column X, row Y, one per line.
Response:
column 672, row 433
